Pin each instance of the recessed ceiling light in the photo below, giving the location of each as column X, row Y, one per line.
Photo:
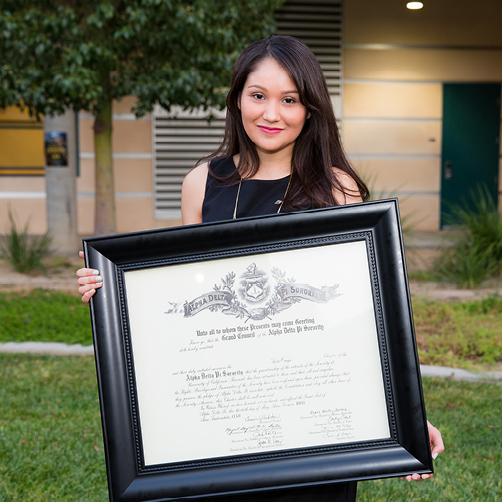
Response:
column 414, row 5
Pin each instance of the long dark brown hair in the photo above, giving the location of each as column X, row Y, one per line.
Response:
column 318, row 147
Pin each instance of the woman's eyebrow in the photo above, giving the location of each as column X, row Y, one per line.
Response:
column 264, row 89
column 257, row 86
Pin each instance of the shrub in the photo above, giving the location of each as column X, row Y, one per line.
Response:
column 476, row 254
column 25, row 253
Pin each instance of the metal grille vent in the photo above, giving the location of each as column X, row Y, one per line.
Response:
column 179, row 142
column 317, row 23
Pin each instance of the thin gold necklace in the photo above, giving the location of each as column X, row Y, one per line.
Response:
column 280, row 202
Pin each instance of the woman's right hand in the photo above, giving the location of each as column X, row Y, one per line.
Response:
column 88, row 280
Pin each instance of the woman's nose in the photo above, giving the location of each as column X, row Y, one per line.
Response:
column 271, row 113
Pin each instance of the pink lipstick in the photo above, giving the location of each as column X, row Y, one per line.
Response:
column 269, row 130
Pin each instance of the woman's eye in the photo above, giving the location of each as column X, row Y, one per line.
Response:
column 289, row 101
column 258, row 96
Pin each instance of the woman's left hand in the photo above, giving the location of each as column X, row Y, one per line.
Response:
column 437, row 447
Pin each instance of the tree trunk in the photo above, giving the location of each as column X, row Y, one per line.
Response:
column 105, row 190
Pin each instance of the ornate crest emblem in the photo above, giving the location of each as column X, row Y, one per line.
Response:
column 254, row 284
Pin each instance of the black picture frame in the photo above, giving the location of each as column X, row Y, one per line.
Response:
column 404, row 452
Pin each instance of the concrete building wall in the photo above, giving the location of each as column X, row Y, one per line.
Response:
column 395, row 64
column 132, row 159
column 25, row 198
column 22, row 186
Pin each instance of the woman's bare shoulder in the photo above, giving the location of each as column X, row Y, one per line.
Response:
column 350, row 193
column 197, row 175
column 192, row 194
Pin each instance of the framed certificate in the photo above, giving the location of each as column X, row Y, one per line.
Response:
column 257, row 354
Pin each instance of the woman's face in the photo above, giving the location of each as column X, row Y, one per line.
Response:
column 272, row 114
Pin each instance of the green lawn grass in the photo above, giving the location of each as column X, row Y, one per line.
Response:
column 459, row 334
column 44, row 316
column 51, row 446
column 468, row 415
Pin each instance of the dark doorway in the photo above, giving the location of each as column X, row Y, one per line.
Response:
column 471, row 135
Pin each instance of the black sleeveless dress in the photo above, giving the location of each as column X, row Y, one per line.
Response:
column 257, row 198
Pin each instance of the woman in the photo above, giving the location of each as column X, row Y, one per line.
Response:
column 281, row 152
column 280, row 126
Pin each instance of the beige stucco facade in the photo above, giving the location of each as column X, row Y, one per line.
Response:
column 133, row 171
column 395, row 63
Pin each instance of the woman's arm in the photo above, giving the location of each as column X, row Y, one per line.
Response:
column 192, row 195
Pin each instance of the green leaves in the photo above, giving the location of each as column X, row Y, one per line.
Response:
column 174, row 52
column 60, row 54
column 101, row 16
